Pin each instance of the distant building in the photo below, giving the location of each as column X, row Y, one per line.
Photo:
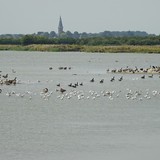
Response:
column 60, row 27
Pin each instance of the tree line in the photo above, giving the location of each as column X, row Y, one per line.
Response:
column 94, row 41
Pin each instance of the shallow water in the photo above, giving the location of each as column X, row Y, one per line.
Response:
column 82, row 123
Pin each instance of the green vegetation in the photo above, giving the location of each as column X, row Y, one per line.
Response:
column 94, row 41
column 83, row 48
column 149, row 44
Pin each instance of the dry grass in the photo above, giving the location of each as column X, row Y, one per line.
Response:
column 83, row 48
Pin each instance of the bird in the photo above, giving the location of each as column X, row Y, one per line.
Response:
column 60, row 68
column 92, row 80
column 14, row 81
column 50, row 68
column 101, row 81
column 76, row 84
column 45, row 90
column 121, row 78
column 5, row 76
column 112, row 79
column 143, row 77
column 58, row 85
column 150, row 76
column 107, row 70
column 13, row 71
column 70, row 85
column 62, row 90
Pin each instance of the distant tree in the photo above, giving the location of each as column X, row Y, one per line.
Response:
column 76, row 34
column 52, row 34
column 27, row 39
column 84, row 35
column 68, row 34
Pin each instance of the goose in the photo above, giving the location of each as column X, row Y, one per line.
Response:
column 62, row 90
column 65, row 68
column 112, row 79
column 60, row 68
column 45, row 90
column 143, row 77
column 14, row 81
column 121, row 78
column 50, row 68
column 58, row 85
column 101, row 81
column 76, row 84
column 92, row 80
column 70, row 85
column 5, row 76
column 107, row 70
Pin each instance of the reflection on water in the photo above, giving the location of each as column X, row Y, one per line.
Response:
column 109, row 120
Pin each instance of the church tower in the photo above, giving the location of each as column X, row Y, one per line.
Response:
column 60, row 27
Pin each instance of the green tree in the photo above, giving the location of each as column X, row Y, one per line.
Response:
column 27, row 39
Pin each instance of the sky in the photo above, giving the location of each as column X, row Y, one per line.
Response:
column 91, row 16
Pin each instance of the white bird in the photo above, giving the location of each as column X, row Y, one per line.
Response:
column 13, row 71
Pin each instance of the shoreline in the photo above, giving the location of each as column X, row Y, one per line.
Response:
column 152, row 49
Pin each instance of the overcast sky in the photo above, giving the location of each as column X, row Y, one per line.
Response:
column 31, row 16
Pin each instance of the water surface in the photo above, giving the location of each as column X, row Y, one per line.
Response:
column 82, row 123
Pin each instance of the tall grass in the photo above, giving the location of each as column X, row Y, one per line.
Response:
column 83, row 48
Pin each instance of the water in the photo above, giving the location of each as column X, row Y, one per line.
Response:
column 82, row 123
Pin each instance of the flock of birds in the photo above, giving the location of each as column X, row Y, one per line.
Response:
column 82, row 94
column 73, row 91
column 136, row 70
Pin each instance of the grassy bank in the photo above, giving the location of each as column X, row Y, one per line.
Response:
column 83, row 48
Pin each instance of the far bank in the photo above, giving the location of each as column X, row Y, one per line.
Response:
column 84, row 48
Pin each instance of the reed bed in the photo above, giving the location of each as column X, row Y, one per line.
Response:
column 83, row 48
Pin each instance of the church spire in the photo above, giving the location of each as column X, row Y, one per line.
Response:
column 60, row 27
